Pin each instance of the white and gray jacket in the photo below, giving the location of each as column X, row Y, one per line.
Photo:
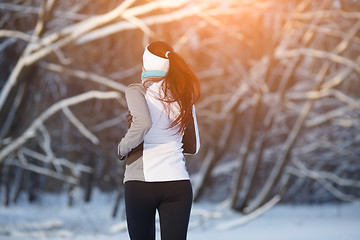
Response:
column 155, row 152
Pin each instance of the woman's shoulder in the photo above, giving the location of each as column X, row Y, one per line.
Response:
column 135, row 85
column 138, row 87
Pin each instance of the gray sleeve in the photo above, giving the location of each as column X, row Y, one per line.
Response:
column 141, row 120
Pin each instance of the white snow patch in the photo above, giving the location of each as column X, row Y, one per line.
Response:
column 52, row 219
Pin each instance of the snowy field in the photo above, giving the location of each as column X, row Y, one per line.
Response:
column 52, row 219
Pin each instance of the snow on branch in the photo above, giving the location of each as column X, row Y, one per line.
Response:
column 326, row 31
column 353, row 103
column 15, row 34
column 76, row 168
column 54, row 42
column 327, row 89
column 323, row 178
column 78, row 124
column 91, row 76
column 326, row 14
column 324, row 175
column 201, row 216
column 251, row 216
column 30, row 132
column 45, row 144
column 325, row 117
column 23, row 163
column 337, row 193
column 319, row 54
column 204, row 8
column 35, row 10
column 148, row 21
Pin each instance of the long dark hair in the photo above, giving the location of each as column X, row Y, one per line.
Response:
column 180, row 85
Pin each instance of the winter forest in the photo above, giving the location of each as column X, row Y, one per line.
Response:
column 278, row 114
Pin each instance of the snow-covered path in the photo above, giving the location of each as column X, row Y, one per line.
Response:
column 51, row 219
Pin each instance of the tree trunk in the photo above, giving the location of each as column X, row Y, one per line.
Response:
column 244, row 153
column 119, row 196
column 19, row 184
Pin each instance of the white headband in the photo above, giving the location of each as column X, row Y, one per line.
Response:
column 153, row 62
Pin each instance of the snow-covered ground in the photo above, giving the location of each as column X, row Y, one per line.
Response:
column 52, row 219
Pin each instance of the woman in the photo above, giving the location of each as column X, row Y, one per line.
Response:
column 162, row 129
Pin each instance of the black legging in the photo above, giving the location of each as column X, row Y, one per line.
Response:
column 173, row 201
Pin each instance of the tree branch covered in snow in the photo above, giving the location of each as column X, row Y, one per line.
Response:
column 30, row 132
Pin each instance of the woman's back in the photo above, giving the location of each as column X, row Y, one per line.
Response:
column 161, row 117
column 163, row 158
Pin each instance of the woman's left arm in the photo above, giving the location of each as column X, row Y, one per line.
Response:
column 141, row 119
